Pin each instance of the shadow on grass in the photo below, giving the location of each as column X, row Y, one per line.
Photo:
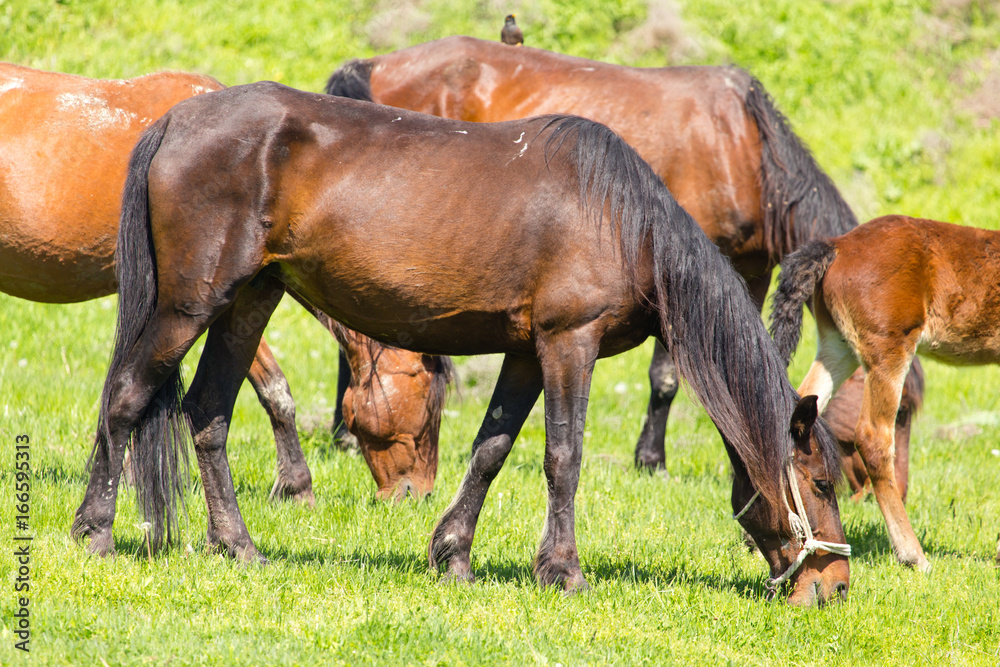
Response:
column 614, row 571
column 870, row 541
column 60, row 475
column 598, row 570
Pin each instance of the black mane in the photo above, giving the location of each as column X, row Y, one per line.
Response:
column 352, row 80
column 709, row 323
column 800, row 203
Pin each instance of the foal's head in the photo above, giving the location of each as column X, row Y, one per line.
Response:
column 805, row 527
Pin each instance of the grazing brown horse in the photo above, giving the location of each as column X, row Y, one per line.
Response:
column 712, row 134
column 65, row 142
column 881, row 293
column 548, row 240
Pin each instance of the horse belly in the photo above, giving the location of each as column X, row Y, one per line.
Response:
column 960, row 347
column 54, row 267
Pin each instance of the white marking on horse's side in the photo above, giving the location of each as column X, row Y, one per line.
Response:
column 95, row 111
column 585, row 69
column 460, row 131
column 519, row 139
column 11, row 84
column 520, row 152
column 198, row 90
column 395, row 119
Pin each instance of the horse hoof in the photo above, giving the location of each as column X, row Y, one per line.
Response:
column 296, row 492
column 346, row 441
column 458, row 576
column 575, row 585
column 248, row 555
column 101, row 544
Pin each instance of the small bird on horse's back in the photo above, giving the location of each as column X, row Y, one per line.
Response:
column 511, row 34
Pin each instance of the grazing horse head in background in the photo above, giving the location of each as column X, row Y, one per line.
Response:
column 881, row 293
column 376, row 216
column 393, row 405
column 712, row 134
column 65, row 142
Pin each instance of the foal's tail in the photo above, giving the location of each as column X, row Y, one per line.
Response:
column 707, row 320
column 158, row 440
column 352, row 80
column 801, row 273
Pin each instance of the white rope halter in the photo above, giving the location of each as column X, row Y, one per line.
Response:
column 801, row 530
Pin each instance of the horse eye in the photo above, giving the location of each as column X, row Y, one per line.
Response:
column 823, row 486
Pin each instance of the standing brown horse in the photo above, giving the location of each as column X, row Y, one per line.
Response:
column 712, row 134
column 881, row 293
column 65, row 142
column 548, row 240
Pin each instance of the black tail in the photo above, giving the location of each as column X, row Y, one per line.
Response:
column 800, row 274
column 707, row 318
column 800, row 202
column 158, row 442
column 352, row 80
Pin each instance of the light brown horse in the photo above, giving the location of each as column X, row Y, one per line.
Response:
column 64, row 142
column 881, row 293
column 712, row 134
column 548, row 240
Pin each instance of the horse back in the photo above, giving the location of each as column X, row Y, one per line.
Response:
column 689, row 123
column 429, row 223
column 935, row 282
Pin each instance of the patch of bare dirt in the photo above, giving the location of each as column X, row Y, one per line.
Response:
column 664, row 29
column 394, row 23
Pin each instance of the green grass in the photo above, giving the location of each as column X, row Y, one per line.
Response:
column 863, row 82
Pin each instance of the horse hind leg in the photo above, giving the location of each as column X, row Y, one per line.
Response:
column 135, row 394
column 294, row 481
column 874, row 440
column 663, row 383
column 230, row 348
column 835, row 362
column 516, row 391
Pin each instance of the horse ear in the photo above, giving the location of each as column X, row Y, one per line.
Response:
column 803, row 418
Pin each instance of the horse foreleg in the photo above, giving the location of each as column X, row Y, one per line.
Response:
column 294, row 480
column 874, row 440
column 516, row 391
column 568, row 366
column 230, row 348
column 649, row 451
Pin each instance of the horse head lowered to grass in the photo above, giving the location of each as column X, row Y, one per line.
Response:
column 65, row 142
column 712, row 134
column 547, row 240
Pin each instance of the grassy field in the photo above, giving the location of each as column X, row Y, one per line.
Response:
column 886, row 94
